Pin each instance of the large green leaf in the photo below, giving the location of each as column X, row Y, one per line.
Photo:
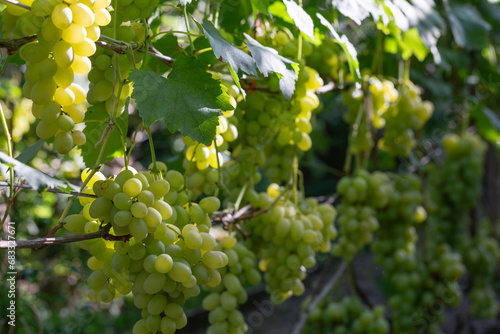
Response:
column 302, row 20
column 347, row 47
column 188, row 100
column 96, row 120
column 269, row 61
column 34, row 177
column 488, row 124
column 469, row 29
column 358, row 10
column 239, row 61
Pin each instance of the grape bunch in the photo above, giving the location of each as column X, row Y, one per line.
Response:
column 454, row 186
column 66, row 35
column 159, row 246
column 224, row 300
column 481, row 254
column 402, row 118
column 286, row 239
column 348, row 315
column 202, row 161
column 362, row 195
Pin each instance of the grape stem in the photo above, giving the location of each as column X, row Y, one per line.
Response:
column 39, row 243
column 322, row 295
column 186, row 21
column 152, row 148
column 11, row 168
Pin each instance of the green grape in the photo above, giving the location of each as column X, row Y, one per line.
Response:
column 138, row 228
column 100, row 207
column 210, row 204
column 63, row 56
column 75, row 223
column 132, row 187
column 154, row 283
column 63, row 142
column 65, row 123
column 153, row 218
column 175, row 179
column 163, row 263
column 159, row 188
column 82, row 14
column 179, row 272
column 139, row 210
column 146, row 197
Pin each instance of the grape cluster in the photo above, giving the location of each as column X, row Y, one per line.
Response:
column 66, row 35
column 481, row 255
column 223, row 301
column 327, row 58
column 454, row 186
column 202, row 161
column 108, row 78
column 286, row 239
column 402, row 118
column 348, row 315
column 362, row 195
column 165, row 253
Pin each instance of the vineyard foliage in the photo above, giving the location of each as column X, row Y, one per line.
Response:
column 200, row 148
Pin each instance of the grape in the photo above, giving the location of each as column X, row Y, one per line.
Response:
column 43, row 91
column 179, row 272
column 122, row 218
column 75, row 223
column 63, row 55
column 163, row 263
column 82, row 14
column 122, row 201
column 163, row 208
column 47, row 68
column 210, row 204
column 139, row 210
column 132, row 187
column 63, row 142
column 159, row 188
column 100, row 207
column 62, row 16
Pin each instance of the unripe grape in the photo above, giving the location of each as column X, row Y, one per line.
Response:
column 65, row 123
column 82, row 14
column 63, row 142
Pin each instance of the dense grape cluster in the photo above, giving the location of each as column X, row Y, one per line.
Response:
column 202, row 162
column 348, row 315
column 363, row 117
column 402, row 118
column 362, row 195
column 454, row 186
column 108, row 86
column 286, row 239
column 66, row 35
column 165, row 253
column 481, row 254
column 224, row 300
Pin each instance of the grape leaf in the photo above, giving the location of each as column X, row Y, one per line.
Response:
column 358, row 10
column 188, row 100
column 34, row 177
column 302, row 20
column 349, row 50
column 268, row 61
column 239, row 61
column 96, row 120
column 28, row 154
column 488, row 123
column 259, row 6
column 469, row 29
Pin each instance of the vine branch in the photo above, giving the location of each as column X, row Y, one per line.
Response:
column 322, row 295
column 42, row 242
column 51, row 190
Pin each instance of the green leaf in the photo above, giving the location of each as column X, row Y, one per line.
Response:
column 28, row 154
column 188, row 100
column 349, row 50
column 96, row 120
column 469, row 29
column 358, row 10
column 32, row 176
column 488, row 124
column 259, row 6
column 269, row 61
column 413, row 45
column 239, row 61
column 302, row 20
